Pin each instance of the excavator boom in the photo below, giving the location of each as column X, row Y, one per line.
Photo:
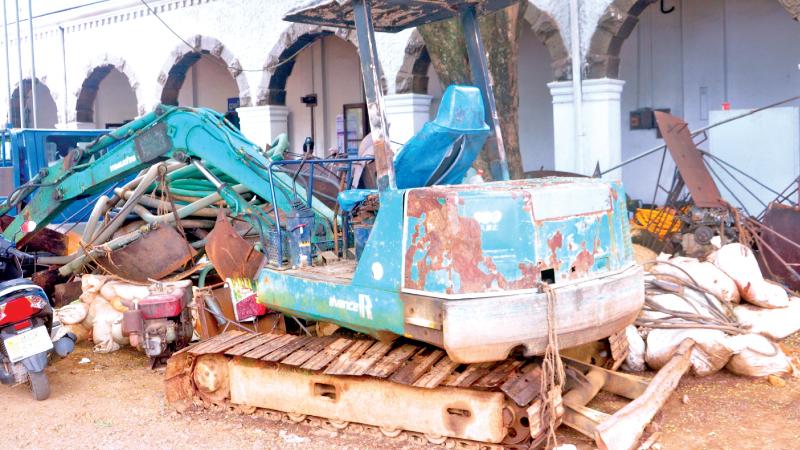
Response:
column 196, row 136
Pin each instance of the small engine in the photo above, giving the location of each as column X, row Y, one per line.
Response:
column 160, row 323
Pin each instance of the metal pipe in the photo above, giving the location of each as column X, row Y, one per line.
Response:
column 577, row 88
column 371, row 74
column 94, row 218
column 479, row 69
column 33, row 65
column 21, row 87
column 8, row 67
column 64, row 67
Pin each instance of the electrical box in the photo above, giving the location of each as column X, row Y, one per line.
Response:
column 644, row 119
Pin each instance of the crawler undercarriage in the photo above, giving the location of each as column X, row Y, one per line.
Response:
column 400, row 389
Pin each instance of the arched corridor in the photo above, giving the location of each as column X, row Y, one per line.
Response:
column 106, row 99
column 46, row 111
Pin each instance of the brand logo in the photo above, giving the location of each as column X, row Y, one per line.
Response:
column 363, row 306
column 120, row 164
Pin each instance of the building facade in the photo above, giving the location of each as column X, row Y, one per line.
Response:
column 104, row 63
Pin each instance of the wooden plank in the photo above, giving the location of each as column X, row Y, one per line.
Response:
column 417, row 366
column 287, row 349
column 392, row 361
column 269, row 347
column 230, row 343
column 241, row 349
column 471, row 374
column 347, row 358
column 500, row 374
column 438, row 374
column 321, row 359
column 370, row 357
column 527, row 386
column 309, row 350
column 202, row 348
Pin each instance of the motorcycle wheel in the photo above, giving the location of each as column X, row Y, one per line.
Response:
column 40, row 386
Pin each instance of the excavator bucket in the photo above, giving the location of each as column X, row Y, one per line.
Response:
column 230, row 254
column 157, row 254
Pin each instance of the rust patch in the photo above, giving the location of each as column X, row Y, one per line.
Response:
column 457, row 416
column 448, row 241
column 555, row 242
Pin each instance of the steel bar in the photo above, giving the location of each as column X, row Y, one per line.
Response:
column 699, row 131
column 21, row 87
column 371, row 75
column 8, row 67
column 33, row 66
column 479, row 70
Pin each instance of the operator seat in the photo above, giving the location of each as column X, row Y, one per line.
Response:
column 442, row 151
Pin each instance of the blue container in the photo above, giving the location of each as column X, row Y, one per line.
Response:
column 300, row 223
column 361, row 235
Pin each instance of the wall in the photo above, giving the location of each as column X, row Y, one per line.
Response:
column 209, row 84
column 115, row 101
column 535, row 103
column 340, row 85
column 738, row 46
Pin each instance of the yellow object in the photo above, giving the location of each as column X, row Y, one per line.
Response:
column 660, row 221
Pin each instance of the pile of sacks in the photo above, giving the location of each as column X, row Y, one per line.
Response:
column 724, row 305
column 97, row 314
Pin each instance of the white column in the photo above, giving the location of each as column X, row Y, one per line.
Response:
column 406, row 114
column 262, row 124
column 566, row 155
column 602, row 126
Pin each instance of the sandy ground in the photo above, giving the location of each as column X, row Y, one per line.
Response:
column 116, row 401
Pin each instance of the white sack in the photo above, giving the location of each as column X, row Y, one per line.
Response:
column 775, row 323
column 740, row 264
column 709, row 355
column 636, row 348
column 73, row 313
column 757, row 356
column 104, row 317
column 706, row 275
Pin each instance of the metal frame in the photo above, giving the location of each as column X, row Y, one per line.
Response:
column 310, row 190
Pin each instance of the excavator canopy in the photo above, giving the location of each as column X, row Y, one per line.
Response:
column 388, row 15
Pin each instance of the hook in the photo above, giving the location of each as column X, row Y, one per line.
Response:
column 664, row 10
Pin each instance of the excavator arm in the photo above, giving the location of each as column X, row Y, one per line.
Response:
column 197, row 136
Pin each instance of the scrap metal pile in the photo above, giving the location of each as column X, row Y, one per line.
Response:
column 729, row 278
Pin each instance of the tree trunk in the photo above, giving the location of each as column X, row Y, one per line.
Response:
column 500, row 32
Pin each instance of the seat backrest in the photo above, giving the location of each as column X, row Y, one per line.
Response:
column 444, row 149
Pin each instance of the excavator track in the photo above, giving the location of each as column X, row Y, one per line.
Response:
column 405, row 390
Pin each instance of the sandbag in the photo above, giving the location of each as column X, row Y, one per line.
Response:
column 756, row 356
column 671, row 302
column 104, row 317
column 739, row 263
column 636, row 349
column 709, row 355
column 774, row 323
column 73, row 313
column 120, row 293
column 705, row 274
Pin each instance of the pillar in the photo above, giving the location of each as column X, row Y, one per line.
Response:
column 406, row 114
column 601, row 139
column 262, row 124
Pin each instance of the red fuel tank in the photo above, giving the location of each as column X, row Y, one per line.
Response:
column 159, row 306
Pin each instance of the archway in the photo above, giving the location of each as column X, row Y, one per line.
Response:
column 46, row 110
column 207, row 75
column 107, row 98
column 317, row 60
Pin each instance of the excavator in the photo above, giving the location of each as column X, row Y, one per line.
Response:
column 449, row 296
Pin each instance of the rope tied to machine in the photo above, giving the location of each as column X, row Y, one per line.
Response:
column 553, row 376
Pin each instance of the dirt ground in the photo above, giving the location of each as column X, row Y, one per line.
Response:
column 116, row 401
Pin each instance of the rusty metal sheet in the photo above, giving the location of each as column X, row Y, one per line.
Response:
column 157, row 254
column 231, row 255
column 693, row 170
column 780, row 230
